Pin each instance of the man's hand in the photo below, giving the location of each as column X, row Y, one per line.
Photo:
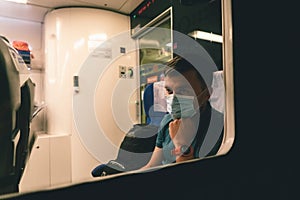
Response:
column 182, row 131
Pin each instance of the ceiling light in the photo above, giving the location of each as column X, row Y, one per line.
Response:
column 207, row 36
column 18, row 1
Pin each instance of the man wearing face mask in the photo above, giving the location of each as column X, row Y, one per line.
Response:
column 192, row 128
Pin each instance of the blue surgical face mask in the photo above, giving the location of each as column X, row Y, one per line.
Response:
column 183, row 106
column 169, row 100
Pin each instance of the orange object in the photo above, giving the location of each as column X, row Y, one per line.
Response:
column 21, row 45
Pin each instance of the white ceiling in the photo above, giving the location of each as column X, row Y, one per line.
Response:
column 35, row 10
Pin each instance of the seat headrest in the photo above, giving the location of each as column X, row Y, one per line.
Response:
column 217, row 98
column 148, row 98
column 159, row 98
column 10, row 99
column 154, row 102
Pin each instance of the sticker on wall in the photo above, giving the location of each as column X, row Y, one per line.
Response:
column 122, row 71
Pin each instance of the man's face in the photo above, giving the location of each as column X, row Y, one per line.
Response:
column 186, row 84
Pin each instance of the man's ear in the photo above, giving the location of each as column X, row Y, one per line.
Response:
column 206, row 93
column 204, row 97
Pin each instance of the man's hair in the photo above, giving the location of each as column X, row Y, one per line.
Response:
column 180, row 65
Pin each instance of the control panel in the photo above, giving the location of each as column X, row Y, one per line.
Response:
column 126, row 72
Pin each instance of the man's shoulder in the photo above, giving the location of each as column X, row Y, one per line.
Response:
column 217, row 117
column 166, row 119
column 216, row 112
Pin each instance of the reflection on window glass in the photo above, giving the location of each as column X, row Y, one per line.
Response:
column 190, row 122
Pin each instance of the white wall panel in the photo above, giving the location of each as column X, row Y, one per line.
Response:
column 71, row 34
column 49, row 164
column 37, row 171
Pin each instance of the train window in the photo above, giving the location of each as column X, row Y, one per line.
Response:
column 200, row 33
column 196, row 36
column 123, row 93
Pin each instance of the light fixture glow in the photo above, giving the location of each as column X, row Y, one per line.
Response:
column 169, row 44
column 207, row 36
column 18, row 1
column 98, row 37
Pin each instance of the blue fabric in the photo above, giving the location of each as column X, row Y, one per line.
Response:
column 26, row 56
column 148, row 101
column 97, row 171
